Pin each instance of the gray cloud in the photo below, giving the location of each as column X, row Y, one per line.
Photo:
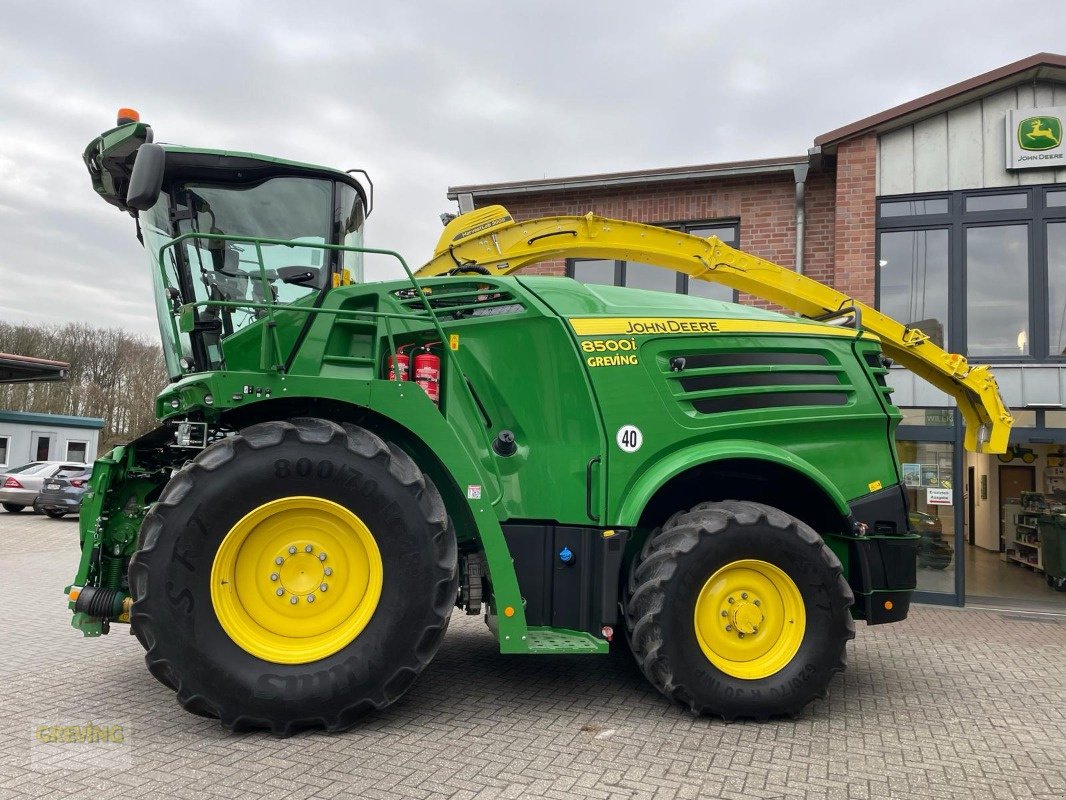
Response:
column 430, row 94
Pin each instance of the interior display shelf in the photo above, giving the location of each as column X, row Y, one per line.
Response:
column 1032, row 564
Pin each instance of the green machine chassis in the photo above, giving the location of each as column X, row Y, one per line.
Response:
column 328, row 357
column 125, row 482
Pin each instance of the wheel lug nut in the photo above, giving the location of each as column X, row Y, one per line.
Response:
column 728, row 627
column 323, row 587
column 321, row 556
column 743, row 595
column 292, row 550
column 328, row 571
column 274, row 576
column 279, row 561
column 279, row 592
column 758, row 603
column 725, row 613
column 741, row 635
column 731, row 600
column 293, row 600
column 307, row 548
column 310, row 598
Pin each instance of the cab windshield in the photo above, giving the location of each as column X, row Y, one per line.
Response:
column 310, row 211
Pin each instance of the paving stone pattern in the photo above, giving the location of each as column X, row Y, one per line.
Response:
column 950, row 704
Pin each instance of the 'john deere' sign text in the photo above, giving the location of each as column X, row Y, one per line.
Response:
column 1034, row 138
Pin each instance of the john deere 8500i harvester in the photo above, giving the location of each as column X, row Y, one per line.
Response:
column 340, row 464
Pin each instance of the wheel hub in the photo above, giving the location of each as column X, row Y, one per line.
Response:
column 746, row 618
column 749, row 619
column 301, row 574
column 296, row 579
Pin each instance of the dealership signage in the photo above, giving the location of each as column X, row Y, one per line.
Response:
column 1034, row 138
column 938, row 497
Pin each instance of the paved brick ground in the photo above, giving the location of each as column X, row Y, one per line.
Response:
column 950, row 704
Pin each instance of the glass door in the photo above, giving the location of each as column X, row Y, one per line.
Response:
column 930, row 484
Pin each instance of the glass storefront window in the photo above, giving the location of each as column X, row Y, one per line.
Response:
column 1056, row 199
column 928, row 469
column 715, row 291
column 1056, row 290
column 594, row 271
column 647, row 276
column 997, row 202
column 909, row 208
column 997, row 291
column 928, row 416
column 1023, row 418
column 913, row 280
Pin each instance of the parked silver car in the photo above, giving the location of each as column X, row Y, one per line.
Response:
column 20, row 486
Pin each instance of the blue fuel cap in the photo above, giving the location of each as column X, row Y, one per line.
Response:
column 566, row 555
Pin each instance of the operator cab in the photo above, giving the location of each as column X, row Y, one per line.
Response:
column 237, row 230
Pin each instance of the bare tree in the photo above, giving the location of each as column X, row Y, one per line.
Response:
column 114, row 374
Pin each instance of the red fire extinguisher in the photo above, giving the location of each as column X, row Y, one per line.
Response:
column 404, row 362
column 427, row 373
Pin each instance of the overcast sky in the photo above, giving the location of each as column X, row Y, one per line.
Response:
column 426, row 95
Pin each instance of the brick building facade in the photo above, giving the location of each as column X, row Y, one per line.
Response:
column 921, row 212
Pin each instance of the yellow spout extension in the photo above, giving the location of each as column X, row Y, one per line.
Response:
column 489, row 241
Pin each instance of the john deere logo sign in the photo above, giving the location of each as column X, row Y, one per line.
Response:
column 1039, row 133
column 1034, row 138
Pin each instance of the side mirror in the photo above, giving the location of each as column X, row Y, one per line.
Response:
column 146, row 180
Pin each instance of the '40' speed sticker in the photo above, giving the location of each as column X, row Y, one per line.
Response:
column 629, row 438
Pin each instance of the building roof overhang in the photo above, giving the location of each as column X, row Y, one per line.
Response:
column 762, row 166
column 23, row 369
column 1042, row 66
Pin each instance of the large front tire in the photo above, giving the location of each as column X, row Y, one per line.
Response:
column 227, row 581
column 738, row 610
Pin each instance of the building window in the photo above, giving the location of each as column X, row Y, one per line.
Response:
column 76, row 451
column 593, row 270
column 636, row 275
column 5, row 447
column 982, row 272
column 996, row 202
column 997, row 291
column 914, row 208
column 913, row 275
column 1056, row 286
column 42, row 446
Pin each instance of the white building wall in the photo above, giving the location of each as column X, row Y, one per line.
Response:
column 963, row 148
column 21, row 450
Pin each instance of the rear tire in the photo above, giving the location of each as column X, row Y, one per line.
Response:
column 53, row 514
column 705, row 567
column 317, row 464
column 12, row 508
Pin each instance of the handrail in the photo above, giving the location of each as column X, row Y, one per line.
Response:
column 450, row 356
column 271, row 327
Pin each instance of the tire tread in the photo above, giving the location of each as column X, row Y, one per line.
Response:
column 360, row 442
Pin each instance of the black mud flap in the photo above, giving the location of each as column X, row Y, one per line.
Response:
column 881, row 557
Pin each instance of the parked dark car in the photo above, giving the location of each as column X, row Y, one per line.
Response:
column 19, row 486
column 62, row 493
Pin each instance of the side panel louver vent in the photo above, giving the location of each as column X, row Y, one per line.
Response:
column 721, row 382
column 877, row 367
column 463, row 300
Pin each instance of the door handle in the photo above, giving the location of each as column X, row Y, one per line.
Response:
column 588, row 489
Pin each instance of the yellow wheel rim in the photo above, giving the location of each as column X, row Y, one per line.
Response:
column 296, row 580
column 750, row 619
